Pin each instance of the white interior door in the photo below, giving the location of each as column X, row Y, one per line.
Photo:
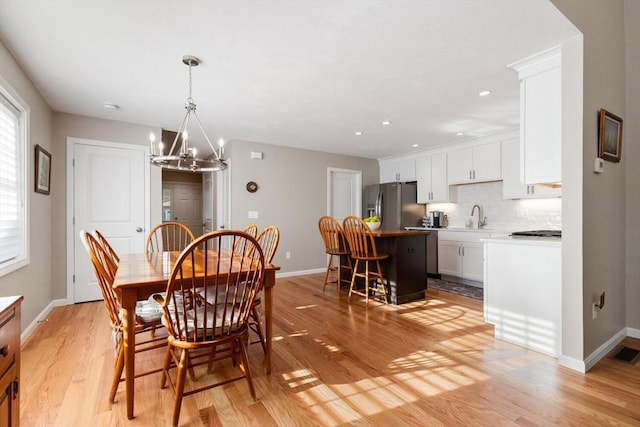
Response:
column 344, row 193
column 109, row 191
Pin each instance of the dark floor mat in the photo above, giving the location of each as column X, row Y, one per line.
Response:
column 456, row 288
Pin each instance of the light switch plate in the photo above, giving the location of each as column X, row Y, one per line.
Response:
column 253, row 215
column 598, row 165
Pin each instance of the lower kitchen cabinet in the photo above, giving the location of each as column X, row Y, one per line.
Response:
column 461, row 259
column 523, row 292
column 10, row 361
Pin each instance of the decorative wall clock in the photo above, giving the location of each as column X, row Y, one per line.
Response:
column 252, row 187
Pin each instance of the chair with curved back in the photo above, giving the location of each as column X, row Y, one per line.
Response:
column 169, row 236
column 251, row 230
column 105, row 244
column 215, row 331
column 268, row 239
column 364, row 251
column 148, row 313
column 335, row 245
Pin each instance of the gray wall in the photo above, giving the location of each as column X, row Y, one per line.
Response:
column 71, row 125
column 609, row 211
column 33, row 281
column 292, row 195
column 632, row 152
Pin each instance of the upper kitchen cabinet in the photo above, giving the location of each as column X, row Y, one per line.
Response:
column 431, row 174
column 541, row 117
column 480, row 163
column 512, row 186
column 397, row 171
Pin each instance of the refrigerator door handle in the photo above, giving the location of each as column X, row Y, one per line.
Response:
column 379, row 205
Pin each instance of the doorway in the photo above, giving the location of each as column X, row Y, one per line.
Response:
column 344, row 193
column 107, row 190
column 182, row 200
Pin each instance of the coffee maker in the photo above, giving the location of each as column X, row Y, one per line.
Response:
column 436, row 219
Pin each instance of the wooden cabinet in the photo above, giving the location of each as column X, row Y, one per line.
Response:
column 512, row 186
column 10, row 361
column 541, row 117
column 461, row 254
column 481, row 163
column 397, row 171
column 431, row 174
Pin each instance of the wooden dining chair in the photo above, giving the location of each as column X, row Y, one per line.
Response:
column 148, row 313
column 335, row 245
column 105, row 244
column 218, row 330
column 169, row 236
column 251, row 230
column 363, row 249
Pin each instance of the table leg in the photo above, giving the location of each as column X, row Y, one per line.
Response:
column 268, row 316
column 128, row 341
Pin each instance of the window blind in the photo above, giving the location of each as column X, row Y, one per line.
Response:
column 11, row 203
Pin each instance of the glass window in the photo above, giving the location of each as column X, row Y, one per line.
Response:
column 13, row 184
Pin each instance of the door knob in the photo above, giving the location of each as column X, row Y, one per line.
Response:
column 139, row 229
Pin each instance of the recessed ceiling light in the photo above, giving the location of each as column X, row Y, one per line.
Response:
column 460, row 133
column 110, row 106
column 359, row 132
column 386, row 123
column 415, row 145
column 484, row 93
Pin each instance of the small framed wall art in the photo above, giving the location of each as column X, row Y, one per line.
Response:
column 43, row 171
column 609, row 136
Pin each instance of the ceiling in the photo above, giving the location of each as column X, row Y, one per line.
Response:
column 305, row 74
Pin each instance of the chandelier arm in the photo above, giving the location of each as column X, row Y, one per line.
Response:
column 180, row 129
column 205, row 136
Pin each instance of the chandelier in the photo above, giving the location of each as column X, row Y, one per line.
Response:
column 180, row 156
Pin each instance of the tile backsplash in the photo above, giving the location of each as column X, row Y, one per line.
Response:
column 512, row 215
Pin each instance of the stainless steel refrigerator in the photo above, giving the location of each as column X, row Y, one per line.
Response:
column 395, row 204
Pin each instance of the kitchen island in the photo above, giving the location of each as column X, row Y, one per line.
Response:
column 406, row 267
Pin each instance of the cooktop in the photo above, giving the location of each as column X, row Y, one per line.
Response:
column 538, row 233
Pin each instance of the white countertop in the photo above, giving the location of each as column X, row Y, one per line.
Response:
column 522, row 240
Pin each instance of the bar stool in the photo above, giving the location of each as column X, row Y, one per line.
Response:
column 363, row 250
column 335, row 245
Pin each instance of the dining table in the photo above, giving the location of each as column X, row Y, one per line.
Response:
column 141, row 275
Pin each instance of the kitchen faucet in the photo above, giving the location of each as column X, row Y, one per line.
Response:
column 482, row 221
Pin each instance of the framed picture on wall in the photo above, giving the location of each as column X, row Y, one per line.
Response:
column 609, row 136
column 43, row 171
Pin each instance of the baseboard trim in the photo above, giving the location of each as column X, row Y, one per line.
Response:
column 42, row 317
column 573, row 364
column 300, row 273
column 605, row 348
column 633, row 333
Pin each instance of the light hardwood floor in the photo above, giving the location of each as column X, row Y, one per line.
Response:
column 431, row 362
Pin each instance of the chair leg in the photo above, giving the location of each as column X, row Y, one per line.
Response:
column 179, row 389
column 326, row 276
column 258, row 330
column 165, row 368
column 353, row 278
column 245, row 365
column 117, row 373
column 366, row 282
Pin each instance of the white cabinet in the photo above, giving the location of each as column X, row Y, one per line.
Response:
column 461, row 254
column 431, row 174
column 396, row 171
column 523, row 292
column 541, row 117
column 476, row 164
column 512, row 186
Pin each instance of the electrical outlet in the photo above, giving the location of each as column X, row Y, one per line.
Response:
column 595, row 308
column 287, row 255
